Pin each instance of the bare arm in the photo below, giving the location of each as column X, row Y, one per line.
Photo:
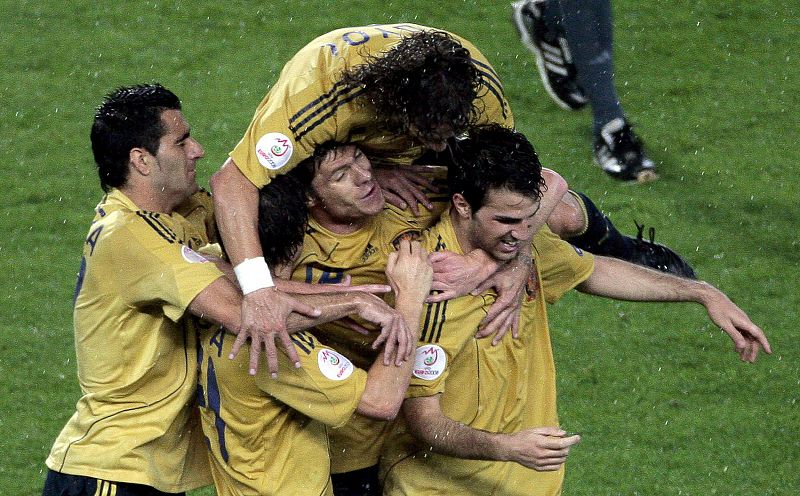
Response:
column 621, row 280
column 263, row 311
column 409, row 274
column 541, row 448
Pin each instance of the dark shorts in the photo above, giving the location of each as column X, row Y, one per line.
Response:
column 362, row 482
column 58, row 484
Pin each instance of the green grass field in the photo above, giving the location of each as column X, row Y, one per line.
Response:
column 663, row 404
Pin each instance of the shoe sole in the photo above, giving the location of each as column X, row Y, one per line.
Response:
column 644, row 175
column 539, row 56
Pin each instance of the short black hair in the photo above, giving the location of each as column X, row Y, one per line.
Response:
column 282, row 218
column 494, row 157
column 129, row 117
column 427, row 80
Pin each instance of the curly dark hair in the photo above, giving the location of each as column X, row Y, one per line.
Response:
column 494, row 157
column 427, row 80
column 282, row 218
column 129, row 117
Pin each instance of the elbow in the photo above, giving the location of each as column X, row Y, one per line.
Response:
column 380, row 411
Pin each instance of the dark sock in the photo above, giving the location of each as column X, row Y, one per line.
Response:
column 588, row 29
column 600, row 236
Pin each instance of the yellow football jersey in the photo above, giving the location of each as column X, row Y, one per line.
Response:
column 503, row 388
column 136, row 422
column 326, row 258
column 309, row 106
column 269, row 436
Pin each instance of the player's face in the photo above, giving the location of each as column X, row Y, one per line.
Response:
column 344, row 186
column 174, row 172
column 436, row 141
column 502, row 223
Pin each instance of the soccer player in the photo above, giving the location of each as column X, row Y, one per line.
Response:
column 270, row 436
column 472, row 408
column 134, row 431
column 572, row 42
column 394, row 90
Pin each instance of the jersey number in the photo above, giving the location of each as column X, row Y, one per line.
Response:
column 213, row 395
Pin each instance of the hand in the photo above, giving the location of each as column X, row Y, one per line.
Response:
column 747, row 337
column 402, row 186
column 542, row 448
column 398, row 340
column 509, row 282
column 264, row 314
column 457, row 275
column 409, row 272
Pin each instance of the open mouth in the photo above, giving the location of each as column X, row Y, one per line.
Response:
column 509, row 246
column 372, row 191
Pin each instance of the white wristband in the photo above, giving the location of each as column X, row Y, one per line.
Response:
column 253, row 274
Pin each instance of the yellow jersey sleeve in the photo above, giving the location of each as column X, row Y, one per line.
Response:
column 327, row 387
column 561, row 265
column 158, row 269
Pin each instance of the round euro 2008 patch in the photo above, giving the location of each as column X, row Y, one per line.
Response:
column 274, row 150
column 429, row 362
column 333, row 365
column 192, row 256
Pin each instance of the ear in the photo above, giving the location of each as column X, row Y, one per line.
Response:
column 141, row 161
column 461, row 206
column 312, row 200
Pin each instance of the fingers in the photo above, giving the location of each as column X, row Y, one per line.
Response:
column 484, row 286
column 444, row 295
column 558, row 443
column 439, row 256
column 371, row 288
column 506, row 325
column 394, row 199
column 241, row 337
column 414, row 174
column 272, row 356
column 758, row 335
column 391, row 344
column 402, row 343
column 255, row 349
column 288, row 347
column 549, row 430
column 304, row 309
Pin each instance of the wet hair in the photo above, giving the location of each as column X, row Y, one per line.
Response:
column 494, row 157
column 427, row 80
column 282, row 218
column 129, row 117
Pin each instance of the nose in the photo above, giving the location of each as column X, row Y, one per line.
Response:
column 196, row 150
column 363, row 174
column 523, row 232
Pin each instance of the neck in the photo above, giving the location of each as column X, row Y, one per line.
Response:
column 460, row 227
column 152, row 201
column 337, row 226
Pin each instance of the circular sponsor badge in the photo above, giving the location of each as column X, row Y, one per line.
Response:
column 429, row 362
column 274, row 150
column 333, row 365
column 192, row 256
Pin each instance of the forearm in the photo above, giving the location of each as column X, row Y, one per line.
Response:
column 446, row 436
column 620, row 280
column 333, row 306
column 236, row 212
column 387, row 384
